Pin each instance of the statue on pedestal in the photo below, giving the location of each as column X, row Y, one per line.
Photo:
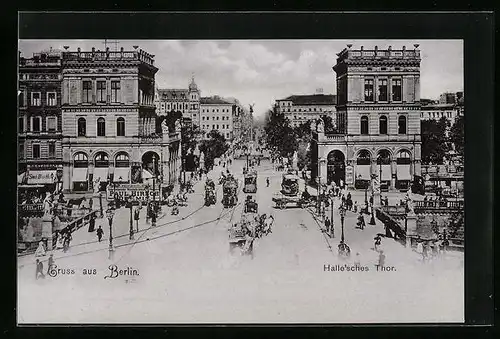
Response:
column 409, row 203
column 164, row 127
column 320, row 126
column 177, row 125
column 295, row 159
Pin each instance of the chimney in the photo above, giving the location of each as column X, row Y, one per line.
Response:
column 376, row 48
column 121, row 49
column 93, row 49
column 390, row 48
column 107, row 49
column 416, row 46
column 362, row 47
column 404, row 48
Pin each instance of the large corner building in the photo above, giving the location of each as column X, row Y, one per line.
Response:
column 378, row 118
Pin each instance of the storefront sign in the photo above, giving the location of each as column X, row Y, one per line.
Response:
column 41, row 177
column 136, row 191
column 30, row 209
column 349, row 175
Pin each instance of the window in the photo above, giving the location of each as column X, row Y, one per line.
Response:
column 21, row 151
column 36, row 124
column 51, row 99
column 36, row 151
column 101, row 91
column 217, row 118
column 101, row 160
column 87, row 91
column 120, row 127
column 403, row 158
column 101, row 127
column 115, row 91
column 363, row 158
column 52, row 149
column 382, row 90
column 21, row 99
column 382, row 125
column 81, row 160
column 122, row 160
column 82, row 127
column 21, row 125
column 364, row 125
column 368, row 89
column 402, row 124
column 35, row 99
column 51, row 124
column 396, row 90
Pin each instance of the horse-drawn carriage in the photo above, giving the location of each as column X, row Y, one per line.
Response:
column 289, row 193
column 230, row 192
column 210, row 193
column 242, row 236
column 250, row 182
column 251, row 205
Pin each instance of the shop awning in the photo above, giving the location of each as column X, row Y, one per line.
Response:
column 146, row 174
column 403, row 172
column 80, row 174
column 363, row 172
column 41, row 177
column 21, row 177
column 386, row 172
column 122, row 174
column 100, row 174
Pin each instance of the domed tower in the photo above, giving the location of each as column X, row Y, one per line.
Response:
column 194, row 102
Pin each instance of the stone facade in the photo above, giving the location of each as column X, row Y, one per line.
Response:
column 216, row 114
column 109, row 121
column 378, row 118
column 39, row 118
column 186, row 101
column 301, row 108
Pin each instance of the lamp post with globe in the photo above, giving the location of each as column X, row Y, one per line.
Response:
column 110, row 213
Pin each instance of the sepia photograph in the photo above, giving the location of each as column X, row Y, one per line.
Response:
column 240, row 181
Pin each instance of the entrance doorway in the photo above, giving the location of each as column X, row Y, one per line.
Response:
column 336, row 167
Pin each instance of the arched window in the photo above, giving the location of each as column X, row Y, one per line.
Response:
column 404, row 158
column 120, row 127
column 122, row 160
column 81, row 160
column 101, row 160
column 82, row 127
column 363, row 158
column 101, row 127
column 384, row 157
column 402, row 124
column 364, row 125
column 382, row 125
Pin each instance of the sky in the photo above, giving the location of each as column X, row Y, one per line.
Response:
column 261, row 71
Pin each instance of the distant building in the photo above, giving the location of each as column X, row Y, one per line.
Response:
column 186, row 101
column 110, row 126
column 301, row 108
column 438, row 111
column 39, row 120
column 216, row 114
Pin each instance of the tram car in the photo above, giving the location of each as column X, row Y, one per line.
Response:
column 251, row 205
column 250, row 182
column 230, row 192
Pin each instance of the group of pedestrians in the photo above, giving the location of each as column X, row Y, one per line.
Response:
column 39, row 273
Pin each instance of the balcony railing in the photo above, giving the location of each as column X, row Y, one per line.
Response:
column 139, row 55
column 370, row 138
column 448, row 205
column 389, row 54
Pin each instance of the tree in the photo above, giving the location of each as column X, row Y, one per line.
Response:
column 189, row 140
column 329, row 126
column 434, row 140
column 213, row 148
column 170, row 118
column 457, row 135
column 279, row 134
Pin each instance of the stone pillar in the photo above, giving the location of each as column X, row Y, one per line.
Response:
column 393, row 173
column 411, row 227
column 322, row 170
column 67, row 176
column 47, row 224
column 418, row 168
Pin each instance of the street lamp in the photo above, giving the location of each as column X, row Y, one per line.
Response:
column 100, row 205
column 331, row 217
column 110, row 213
column 372, row 220
column 131, row 230
column 366, row 200
column 342, row 215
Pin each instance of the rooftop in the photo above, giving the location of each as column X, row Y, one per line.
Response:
column 313, row 99
column 437, row 106
column 213, row 101
column 379, row 54
column 107, row 55
column 172, row 93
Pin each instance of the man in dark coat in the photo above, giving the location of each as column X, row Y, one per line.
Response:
column 39, row 269
column 99, row 232
column 92, row 224
column 327, row 225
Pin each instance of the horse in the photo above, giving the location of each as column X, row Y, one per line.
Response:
column 77, row 202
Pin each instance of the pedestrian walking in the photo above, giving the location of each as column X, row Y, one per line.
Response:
column 153, row 218
column 50, row 263
column 267, row 181
column 99, row 232
column 136, row 218
column 327, row 225
column 91, row 203
column 381, row 259
column 39, row 269
column 355, row 207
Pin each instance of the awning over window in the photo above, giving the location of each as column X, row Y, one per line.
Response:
column 386, row 172
column 122, row 174
column 403, row 172
column 146, row 174
column 41, row 177
column 80, row 174
column 100, row 174
column 363, row 172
